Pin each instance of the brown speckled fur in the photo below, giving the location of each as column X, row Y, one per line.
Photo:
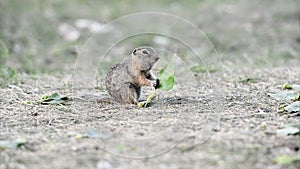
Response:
column 124, row 80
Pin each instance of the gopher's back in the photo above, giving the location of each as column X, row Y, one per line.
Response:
column 116, row 80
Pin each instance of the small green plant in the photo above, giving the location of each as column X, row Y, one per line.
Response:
column 54, row 98
column 165, row 82
column 166, row 78
column 8, row 75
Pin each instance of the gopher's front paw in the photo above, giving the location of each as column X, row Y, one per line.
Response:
column 156, row 83
column 153, row 84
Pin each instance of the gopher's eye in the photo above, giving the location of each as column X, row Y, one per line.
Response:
column 145, row 52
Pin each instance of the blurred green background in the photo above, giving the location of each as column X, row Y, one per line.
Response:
column 35, row 35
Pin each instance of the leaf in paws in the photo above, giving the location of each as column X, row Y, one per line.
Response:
column 166, row 80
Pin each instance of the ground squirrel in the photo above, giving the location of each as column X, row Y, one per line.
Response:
column 124, row 80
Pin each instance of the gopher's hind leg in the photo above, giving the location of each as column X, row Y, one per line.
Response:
column 128, row 95
column 134, row 93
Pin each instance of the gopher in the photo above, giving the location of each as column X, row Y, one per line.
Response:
column 124, row 80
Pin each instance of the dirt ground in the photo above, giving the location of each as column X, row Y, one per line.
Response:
column 211, row 119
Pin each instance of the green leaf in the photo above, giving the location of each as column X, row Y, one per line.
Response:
column 294, row 107
column 297, row 98
column 167, row 83
column 286, row 160
column 283, row 96
column 166, row 77
column 12, row 144
column 286, row 86
column 289, row 130
column 54, row 98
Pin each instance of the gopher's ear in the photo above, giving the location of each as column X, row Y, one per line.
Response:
column 134, row 52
